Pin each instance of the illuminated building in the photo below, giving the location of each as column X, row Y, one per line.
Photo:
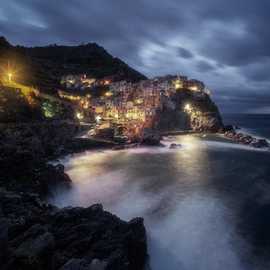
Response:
column 135, row 106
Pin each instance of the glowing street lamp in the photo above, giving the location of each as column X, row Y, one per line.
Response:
column 108, row 94
column 193, row 88
column 98, row 118
column 10, row 75
column 187, row 107
column 107, row 82
column 178, row 84
column 79, row 115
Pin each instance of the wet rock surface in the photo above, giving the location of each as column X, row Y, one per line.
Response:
column 175, row 146
column 36, row 235
column 245, row 138
column 151, row 138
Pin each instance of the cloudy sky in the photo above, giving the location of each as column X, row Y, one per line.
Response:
column 224, row 43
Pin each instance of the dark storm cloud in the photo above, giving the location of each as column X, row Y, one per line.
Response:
column 156, row 36
column 204, row 66
column 184, row 53
column 247, row 99
column 259, row 72
column 235, row 49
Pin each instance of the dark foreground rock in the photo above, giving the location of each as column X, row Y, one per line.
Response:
column 23, row 175
column 35, row 235
column 25, row 150
column 151, row 138
column 175, row 146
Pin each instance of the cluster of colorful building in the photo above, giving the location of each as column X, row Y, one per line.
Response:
column 130, row 108
column 83, row 82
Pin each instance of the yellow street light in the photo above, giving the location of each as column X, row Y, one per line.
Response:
column 178, row 84
column 187, row 107
column 10, row 75
column 79, row 115
column 98, row 118
column 108, row 94
column 193, row 88
column 107, row 82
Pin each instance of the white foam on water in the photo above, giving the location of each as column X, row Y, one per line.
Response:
column 191, row 233
column 253, row 133
column 229, row 145
column 90, row 189
column 208, row 144
column 197, row 235
column 185, row 230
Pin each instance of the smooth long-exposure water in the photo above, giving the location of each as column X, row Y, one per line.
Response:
column 205, row 205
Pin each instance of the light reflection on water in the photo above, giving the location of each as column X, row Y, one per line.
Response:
column 189, row 221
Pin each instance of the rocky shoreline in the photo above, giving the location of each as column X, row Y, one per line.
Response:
column 245, row 139
column 35, row 235
column 26, row 149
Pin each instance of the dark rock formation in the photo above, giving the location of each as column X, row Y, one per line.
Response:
column 175, row 146
column 35, row 235
column 25, row 150
column 246, row 139
column 151, row 138
column 76, row 145
column 260, row 143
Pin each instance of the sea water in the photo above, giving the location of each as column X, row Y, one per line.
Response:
column 205, row 204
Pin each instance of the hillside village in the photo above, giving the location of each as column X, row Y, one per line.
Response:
column 87, row 85
column 124, row 110
column 127, row 108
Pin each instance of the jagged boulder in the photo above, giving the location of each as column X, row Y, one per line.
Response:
column 175, row 146
column 260, row 143
column 151, row 138
column 35, row 253
column 246, row 139
column 41, row 236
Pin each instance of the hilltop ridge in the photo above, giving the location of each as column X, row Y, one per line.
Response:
column 43, row 67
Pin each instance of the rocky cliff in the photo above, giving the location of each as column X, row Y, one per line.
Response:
column 43, row 67
column 189, row 110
